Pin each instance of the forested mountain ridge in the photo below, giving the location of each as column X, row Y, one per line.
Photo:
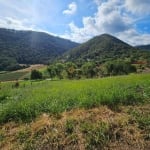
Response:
column 29, row 47
column 144, row 47
column 104, row 48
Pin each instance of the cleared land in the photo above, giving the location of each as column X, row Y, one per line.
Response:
column 20, row 74
column 32, row 67
column 108, row 113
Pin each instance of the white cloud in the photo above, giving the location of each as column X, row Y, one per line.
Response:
column 98, row 2
column 138, row 6
column 72, row 8
column 111, row 17
column 12, row 23
column 134, row 38
column 108, row 19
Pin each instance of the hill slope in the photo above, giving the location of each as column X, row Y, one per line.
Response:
column 144, row 47
column 102, row 48
column 29, row 47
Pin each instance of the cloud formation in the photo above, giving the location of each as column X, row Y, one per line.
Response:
column 138, row 6
column 126, row 19
column 12, row 23
column 108, row 18
column 72, row 8
column 111, row 17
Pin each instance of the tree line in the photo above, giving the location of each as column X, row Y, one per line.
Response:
column 72, row 70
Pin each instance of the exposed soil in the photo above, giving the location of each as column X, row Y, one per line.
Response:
column 32, row 67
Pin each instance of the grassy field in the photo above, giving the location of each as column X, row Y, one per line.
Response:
column 31, row 99
column 106, row 113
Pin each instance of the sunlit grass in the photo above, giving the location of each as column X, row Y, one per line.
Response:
column 32, row 99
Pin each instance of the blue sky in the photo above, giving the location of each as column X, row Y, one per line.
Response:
column 80, row 20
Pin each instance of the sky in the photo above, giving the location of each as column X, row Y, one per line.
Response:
column 80, row 20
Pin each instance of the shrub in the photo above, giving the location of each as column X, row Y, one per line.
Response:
column 35, row 74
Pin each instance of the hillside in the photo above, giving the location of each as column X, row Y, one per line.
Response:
column 144, row 47
column 103, row 48
column 29, row 47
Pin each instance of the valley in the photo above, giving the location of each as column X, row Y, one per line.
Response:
column 57, row 94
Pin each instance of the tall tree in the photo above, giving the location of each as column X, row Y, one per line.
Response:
column 71, row 70
column 89, row 69
column 52, row 71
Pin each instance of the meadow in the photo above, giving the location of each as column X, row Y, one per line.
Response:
column 33, row 98
column 88, row 114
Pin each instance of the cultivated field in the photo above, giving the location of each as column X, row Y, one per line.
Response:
column 20, row 74
column 105, row 113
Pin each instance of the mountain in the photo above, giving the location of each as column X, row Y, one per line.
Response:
column 143, row 47
column 29, row 47
column 103, row 48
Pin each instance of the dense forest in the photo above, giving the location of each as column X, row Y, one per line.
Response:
column 29, row 47
column 106, row 48
column 144, row 47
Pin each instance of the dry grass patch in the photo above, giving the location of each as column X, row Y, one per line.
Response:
column 78, row 129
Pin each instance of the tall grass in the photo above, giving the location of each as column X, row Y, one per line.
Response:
column 30, row 100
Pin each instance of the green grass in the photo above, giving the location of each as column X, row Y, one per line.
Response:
column 30, row 100
column 11, row 76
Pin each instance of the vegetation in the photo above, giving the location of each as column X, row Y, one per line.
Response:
column 119, row 68
column 144, row 47
column 56, row 70
column 35, row 74
column 31, row 99
column 89, row 69
column 105, row 48
column 9, row 64
column 107, row 113
column 87, row 114
column 29, row 47
column 12, row 76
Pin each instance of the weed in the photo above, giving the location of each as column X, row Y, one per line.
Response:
column 95, row 134
column 70, row 126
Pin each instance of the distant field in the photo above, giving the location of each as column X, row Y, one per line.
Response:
column 34, row 98
column 12, row 76
column 20, row 74
column 32, row 67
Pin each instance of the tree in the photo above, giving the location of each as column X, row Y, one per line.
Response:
column 71, row 70
column 59, row 69
column 119, row 68
column 52, row 71
column 89, row 69
column 35, row 74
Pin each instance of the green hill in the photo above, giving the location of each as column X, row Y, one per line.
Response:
column 29, row 47
column 144, row 47
column 103, row 48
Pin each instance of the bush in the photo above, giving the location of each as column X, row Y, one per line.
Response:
column 119, row 68
column 35, row 74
